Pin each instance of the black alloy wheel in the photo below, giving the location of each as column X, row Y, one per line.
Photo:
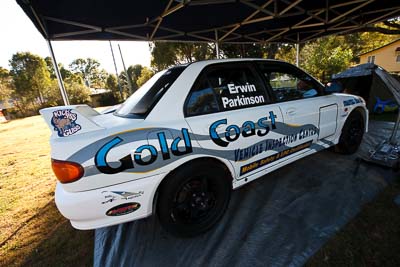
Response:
column 193, row 199
column 352, row 134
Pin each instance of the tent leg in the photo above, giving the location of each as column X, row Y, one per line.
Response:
column 216, row 45
column 392, row 139
column 387, row 153
column 297, row 50
column 58, row 74
column 116, row 71
column 128, row 79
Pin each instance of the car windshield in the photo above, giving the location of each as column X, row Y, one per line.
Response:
column 143, row 100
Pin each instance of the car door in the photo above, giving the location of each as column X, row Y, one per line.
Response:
column 231, row 116
column 301, row 101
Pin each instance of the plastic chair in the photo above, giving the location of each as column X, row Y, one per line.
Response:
column 384, row 105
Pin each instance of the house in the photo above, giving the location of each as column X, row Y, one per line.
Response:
column 4, row 105
column 101, row 97
column 387, row 56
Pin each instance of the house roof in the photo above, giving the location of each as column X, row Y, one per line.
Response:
column 6, row 104
column 398, row 48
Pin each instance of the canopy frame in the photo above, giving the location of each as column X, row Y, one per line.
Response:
column 255, row 21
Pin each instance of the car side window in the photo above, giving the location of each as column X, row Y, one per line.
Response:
column 290, row 84
column 202, row 99
column 228, row 87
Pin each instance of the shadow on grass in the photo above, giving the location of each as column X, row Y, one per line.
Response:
column 371, row 239
column 48, row 240
column 386, row 116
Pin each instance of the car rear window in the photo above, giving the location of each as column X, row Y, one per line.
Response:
column 146, row 97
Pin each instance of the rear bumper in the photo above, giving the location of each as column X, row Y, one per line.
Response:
column 108, row 205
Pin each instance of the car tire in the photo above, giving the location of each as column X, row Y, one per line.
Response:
column 193, row 198
column 352, row 134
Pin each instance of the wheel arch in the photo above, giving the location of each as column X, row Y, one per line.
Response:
column 364, row 113
column 211, row 160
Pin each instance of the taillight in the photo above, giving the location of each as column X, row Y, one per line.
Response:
column 66, row 171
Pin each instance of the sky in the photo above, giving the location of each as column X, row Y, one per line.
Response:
column 18, row 34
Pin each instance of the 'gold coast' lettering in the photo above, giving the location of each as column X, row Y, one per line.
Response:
column 233, row 132
column 127, row 162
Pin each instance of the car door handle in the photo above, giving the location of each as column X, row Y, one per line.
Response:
column 291, row 111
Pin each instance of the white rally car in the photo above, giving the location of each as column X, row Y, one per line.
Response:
column 191, row 134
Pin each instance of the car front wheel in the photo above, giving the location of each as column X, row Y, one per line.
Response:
column 352, row 134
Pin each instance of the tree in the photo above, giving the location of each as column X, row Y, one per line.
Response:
column 168, row 54
column 366, row 41
column 6, row 88
column 145, row 75
column 286, row 52
column 326, row 56
column 31, row 79
column 88, row 69
column 332, row 54
column 134, row 73
column 123, row 80
column 163, row 55
column 268, row 50
column 112, row 84
column 65, row 73
column 189, row 52
column 99, row 78
column 77, row 92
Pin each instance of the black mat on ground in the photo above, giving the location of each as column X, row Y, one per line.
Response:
column 278, row 220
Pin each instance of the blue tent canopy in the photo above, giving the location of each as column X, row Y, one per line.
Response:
column 230, row 21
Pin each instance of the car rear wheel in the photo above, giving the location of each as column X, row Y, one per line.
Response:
column 193, row 199
column 352, row 134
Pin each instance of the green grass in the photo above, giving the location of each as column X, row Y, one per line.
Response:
column 387, row 116
column 371, row 239
column 32, row 230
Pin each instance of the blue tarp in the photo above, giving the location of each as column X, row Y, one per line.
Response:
column 279, row 220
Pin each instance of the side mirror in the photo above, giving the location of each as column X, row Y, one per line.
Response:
column 333, row 87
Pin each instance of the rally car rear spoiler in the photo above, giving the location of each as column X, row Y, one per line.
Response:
column 71, row 120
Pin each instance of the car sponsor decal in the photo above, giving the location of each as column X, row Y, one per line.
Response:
column 236, row 99
column 123, row 209
column 351, row 101
column 128, row 163
column 274, row 144
column 108, row 199
column 128, row 195
column 111, row 196
column 277, row 156
column 233, row 132
column 164, row 148
column 64, row 122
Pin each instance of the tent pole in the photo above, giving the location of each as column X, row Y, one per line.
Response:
column 297, row 50
column 392, row 139
column 116, row 71
column 216, row 44
column 58, row 74
column 126, row 73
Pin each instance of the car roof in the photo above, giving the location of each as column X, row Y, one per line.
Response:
column 203, row 63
